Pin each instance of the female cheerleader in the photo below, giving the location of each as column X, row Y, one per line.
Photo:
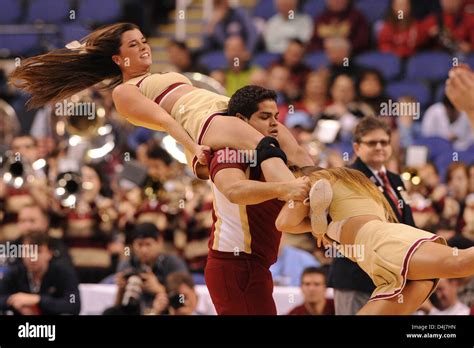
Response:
column 405, row 263
column 165, row 102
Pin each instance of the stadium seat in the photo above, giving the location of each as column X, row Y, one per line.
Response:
column 470, row 60
column 104, row 11
column 467, row 156
column 345, row 148
column 388, row 64
column 442, row 163
column 139, row 135
column 449, row 155
column 429, row 66
column 264, row 9
column 416, row 89
column 436, row 146
column 314, row 8
column 71, row 32
column 214, row 60
column 49, row 41
column 373, row 10
column 11, row 11
column 48, row 11
column 19, row 44
column 316, row 60
column 439, row 94
column 264, row 60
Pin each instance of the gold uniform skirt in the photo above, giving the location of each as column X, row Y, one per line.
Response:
column 385, row 250
column 195, row 111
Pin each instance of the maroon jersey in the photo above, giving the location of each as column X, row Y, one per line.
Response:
column 244, row 230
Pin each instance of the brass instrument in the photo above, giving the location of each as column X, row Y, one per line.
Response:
column 82, row 120
column 68, row 188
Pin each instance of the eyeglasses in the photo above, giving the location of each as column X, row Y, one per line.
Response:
column 373, row 143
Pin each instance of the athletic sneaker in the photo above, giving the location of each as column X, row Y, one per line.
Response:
column 320, row 196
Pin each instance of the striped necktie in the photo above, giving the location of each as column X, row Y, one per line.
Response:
column 390, row 191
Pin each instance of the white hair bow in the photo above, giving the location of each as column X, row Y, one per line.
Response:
column 76, row 45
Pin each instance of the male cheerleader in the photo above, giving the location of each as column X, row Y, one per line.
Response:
column 244, row 241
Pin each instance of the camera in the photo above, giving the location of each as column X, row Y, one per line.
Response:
column 133, row 289
column 176, row 300
column 135, row 271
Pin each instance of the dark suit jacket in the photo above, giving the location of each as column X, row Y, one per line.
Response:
column 59, row 286
column 345, row 274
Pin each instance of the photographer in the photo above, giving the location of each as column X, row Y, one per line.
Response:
column 181, row 298
column 143, row 277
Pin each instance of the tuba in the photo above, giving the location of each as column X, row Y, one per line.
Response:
column 82, row 120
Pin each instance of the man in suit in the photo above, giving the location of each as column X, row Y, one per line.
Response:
column 40, row 283
column 352, row 286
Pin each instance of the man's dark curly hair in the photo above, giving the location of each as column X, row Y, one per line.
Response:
column 245, row 101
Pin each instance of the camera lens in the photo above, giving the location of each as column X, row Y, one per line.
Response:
column 17, row 169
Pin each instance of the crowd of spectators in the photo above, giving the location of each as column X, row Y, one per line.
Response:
column 140, row 211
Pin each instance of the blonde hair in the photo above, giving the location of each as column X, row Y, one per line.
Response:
column 357, row 181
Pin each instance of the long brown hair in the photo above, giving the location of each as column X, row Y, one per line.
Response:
column 59, row 74
column 359, row 182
